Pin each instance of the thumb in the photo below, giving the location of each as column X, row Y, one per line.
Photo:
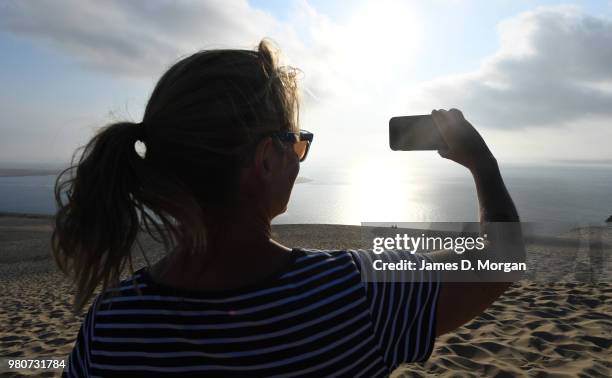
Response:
column 445, row 153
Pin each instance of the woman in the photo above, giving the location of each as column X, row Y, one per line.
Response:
column 223, row 150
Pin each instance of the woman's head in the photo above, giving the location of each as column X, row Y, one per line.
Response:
column 209, row 108
column 210, row 130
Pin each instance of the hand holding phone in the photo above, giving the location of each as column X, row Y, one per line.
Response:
column 448, row 132
column 464, row 144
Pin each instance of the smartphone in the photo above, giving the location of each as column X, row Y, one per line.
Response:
column 414, row 133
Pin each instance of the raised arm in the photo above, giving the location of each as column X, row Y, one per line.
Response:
column 459, row 302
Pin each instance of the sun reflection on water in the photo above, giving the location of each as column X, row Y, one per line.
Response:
column 385, row 190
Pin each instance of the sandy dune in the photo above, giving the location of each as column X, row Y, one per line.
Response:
column 536, row 329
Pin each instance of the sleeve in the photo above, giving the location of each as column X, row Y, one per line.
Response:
column 78, row 364
column 402, row 304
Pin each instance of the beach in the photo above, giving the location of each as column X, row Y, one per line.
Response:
column 539, row 327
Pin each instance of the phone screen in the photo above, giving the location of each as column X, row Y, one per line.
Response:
column 414, row 133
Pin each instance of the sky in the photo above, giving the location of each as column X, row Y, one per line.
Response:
column 534, row 77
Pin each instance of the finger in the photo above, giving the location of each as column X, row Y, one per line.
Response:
column 438, row 118
column 441, row 122
column 458, row 119
column 447, row 117
column 456, row 112
column 438, row 121
column 441, row 113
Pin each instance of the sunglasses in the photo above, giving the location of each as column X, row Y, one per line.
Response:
column 301, row 141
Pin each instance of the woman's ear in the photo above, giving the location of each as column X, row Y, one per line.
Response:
column 263, row 156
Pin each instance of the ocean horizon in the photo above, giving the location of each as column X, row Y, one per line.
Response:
column 565, row 194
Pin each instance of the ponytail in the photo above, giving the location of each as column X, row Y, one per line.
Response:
column 108, row 192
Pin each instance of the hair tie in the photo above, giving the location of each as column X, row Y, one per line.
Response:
column 141, row 137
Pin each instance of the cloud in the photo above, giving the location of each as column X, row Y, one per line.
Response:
column 553, row 67
column 136, row 38
column 141, row 38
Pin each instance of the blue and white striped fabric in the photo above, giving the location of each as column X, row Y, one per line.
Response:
column 319, row 317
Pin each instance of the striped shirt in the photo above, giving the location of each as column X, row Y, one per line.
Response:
column 321, row 316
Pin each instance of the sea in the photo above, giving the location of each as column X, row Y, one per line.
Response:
column 576, row 194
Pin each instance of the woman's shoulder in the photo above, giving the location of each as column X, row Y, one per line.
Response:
column 307, row 265
column 134, row 282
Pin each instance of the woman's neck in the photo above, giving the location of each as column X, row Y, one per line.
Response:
column 239, row 252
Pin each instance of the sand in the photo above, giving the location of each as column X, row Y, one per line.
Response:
column 537, row 328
